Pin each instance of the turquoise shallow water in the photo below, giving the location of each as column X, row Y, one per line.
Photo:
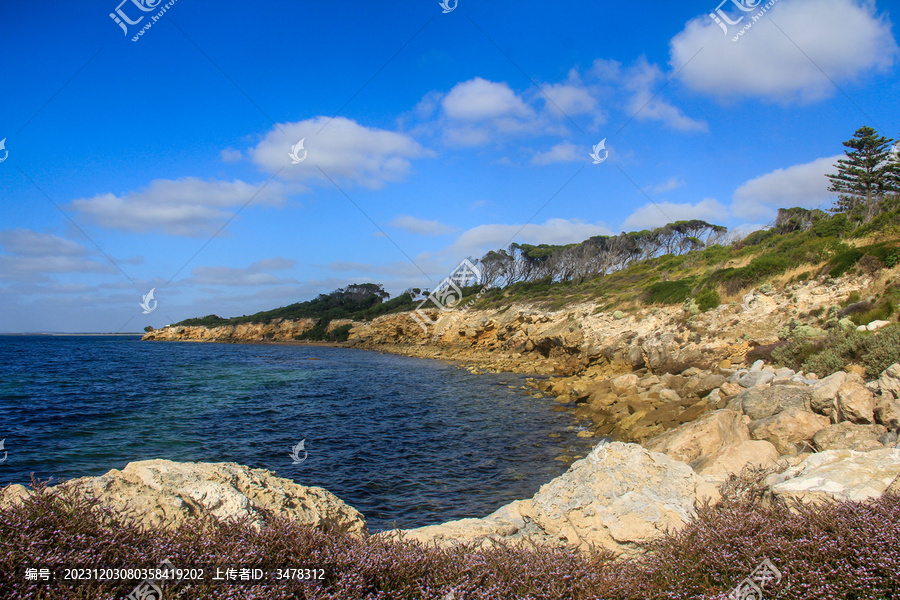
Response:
column 406, row 441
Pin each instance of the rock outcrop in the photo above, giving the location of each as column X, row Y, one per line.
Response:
column 615, row 498
column 838, row 475
column 703, row 438
column 274, row 331
column 163, row 493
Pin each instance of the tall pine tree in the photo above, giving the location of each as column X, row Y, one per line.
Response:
column 866, row 175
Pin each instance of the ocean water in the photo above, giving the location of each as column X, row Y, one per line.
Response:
column 406, row 441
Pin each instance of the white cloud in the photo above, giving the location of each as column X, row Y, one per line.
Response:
column 479, row 99
column 32, row 243
column 341, row 148
column 646, row 103
column 845, row 38
column 349, row 266
column 477, row 112
column 571, row 98
column 672, row 183
column 661, row 213
column 34, row 268
column 800, row 185
column 254, row 274
column 32, row 256
column 562, row 152
column 188, row 207
column 478, row 240
column 420, row 226
column 272, row 264
column 636, row 90
column 230, row 155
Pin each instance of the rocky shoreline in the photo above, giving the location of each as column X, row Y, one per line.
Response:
column 682, row 363
column 676, row 397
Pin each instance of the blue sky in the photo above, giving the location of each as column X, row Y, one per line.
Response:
column 429, row 137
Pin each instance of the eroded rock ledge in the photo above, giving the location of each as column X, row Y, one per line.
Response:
column 163, row 493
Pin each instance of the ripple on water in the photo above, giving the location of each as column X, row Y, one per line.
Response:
column 406, row 441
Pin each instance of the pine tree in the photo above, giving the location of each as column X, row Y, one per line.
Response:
column 865, row 175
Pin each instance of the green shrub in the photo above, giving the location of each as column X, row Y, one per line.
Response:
column 319, row 333
column 758, row 237
column 833, row 227
column 340, row 334
column 207, row 321
column 875, row 351
column 708, row 299
column 844, row 261
column 838, row 349
column 883, row 311
column 669, row 292
column 882, row 350
column 892, row 258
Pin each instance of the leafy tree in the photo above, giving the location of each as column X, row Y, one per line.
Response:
column 865, row 175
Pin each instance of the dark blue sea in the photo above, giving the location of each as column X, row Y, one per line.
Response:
column 406, row 441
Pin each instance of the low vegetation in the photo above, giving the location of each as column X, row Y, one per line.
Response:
column 358, row 302
column 832, row 550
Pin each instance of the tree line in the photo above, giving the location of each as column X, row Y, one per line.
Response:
column 596, row 256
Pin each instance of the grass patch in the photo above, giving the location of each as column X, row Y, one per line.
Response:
column 669, row 292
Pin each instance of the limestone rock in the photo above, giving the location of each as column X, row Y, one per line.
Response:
column 708, row 384
column 703, row 438
column 855, row 403
column 616, row 497
column 12, row 495
column 166, row 494
column 825, row 391
column 851, row 436
column 755, row 378
column 789, row 430
column 887, row 411
column 889, row 382
column 624, row 385
column 733, row 459
column 876, row 325
column 761, row 403
column 837, row 475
